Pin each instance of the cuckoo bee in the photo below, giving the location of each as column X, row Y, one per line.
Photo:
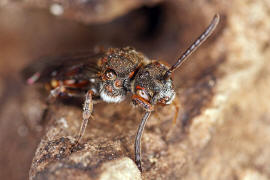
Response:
column 109, row 76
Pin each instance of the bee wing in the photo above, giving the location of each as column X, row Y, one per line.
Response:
column 78, row 66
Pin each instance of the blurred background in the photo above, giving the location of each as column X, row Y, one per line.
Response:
column 225, row 88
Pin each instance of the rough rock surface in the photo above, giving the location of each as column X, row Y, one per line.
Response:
column 222, row 131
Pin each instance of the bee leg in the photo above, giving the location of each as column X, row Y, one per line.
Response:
column 138, row 140
column 177, row 105
column 55, row 93
column 87, row 113
column 62, row 90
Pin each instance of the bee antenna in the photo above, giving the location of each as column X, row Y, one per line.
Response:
column 208, row 31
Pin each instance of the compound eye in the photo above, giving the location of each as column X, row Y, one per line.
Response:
column 110, row 74
column 143, row 94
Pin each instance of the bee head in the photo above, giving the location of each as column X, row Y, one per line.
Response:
column 150, row 87
column 153, row 83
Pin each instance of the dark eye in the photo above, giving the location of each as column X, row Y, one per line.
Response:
column 110, row 75
column 142, row 94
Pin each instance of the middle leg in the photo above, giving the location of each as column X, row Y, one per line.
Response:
column 87, row 113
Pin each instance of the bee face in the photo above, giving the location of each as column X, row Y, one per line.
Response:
column 150, row 87
column 118, row 67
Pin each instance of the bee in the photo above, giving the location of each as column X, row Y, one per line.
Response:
column 110, row 76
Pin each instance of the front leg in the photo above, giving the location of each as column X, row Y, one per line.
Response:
column 138, row 140
column 176, row 103
column 87, row 113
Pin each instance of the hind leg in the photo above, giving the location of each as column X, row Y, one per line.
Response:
column 63, row 91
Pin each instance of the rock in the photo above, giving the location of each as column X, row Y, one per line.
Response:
column 120, row 169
